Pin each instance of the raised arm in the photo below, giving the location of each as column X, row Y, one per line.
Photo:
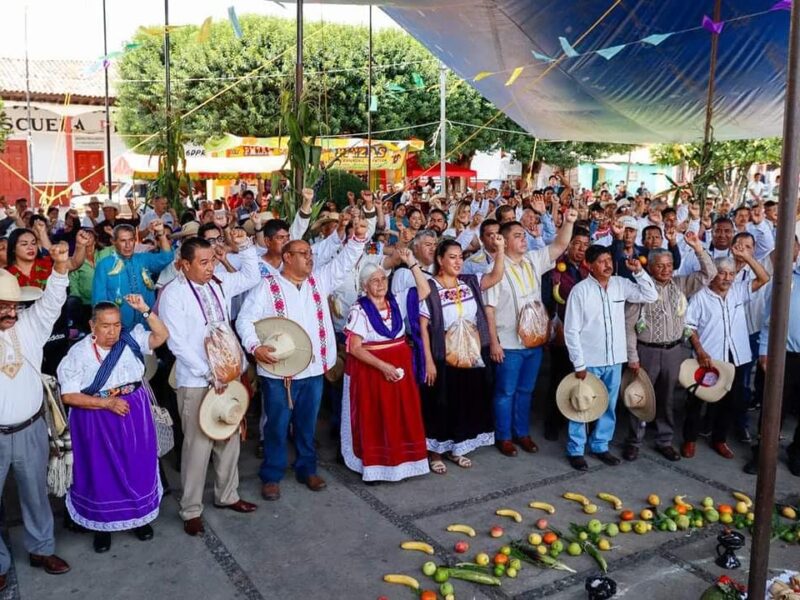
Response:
column 248, row 275
column 405, row 256
column 493, row 277
column 559, row 245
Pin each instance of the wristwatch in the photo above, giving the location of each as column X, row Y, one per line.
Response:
column 146, row 315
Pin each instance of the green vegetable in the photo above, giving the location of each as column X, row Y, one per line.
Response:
column 529, row 554
column 473, row 576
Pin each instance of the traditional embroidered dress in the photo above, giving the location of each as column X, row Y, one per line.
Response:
column 116, row 485
column 382, row 433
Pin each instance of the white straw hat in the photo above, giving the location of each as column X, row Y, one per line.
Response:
column 220, row 414
column 582, row 400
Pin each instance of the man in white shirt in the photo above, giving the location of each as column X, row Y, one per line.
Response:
column 594, row 331
column 519, row 292
column 300, row 294
column 193, row 300
column 423, row 246
column 756, row 188
column 159, row 211
column 23, row 431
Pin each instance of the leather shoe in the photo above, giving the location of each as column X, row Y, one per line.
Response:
column 527, row 444
column 668, row 452
column 271, row 491
column 578, row 463
column 3, row 581
column 315, row 483
column 506, row 447
column 194, row 526
column 52, row 564
column 102, row 542
column 722, row 449
column 687, row 450
column 240, row 506
column 143, row 533
column 607, row 458
column 794, row 466
column 630, row 453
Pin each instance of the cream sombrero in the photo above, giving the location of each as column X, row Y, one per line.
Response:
column 638, row 394
column 582, row 400
column 220, row 414
column 292, row 345
column 709, row 385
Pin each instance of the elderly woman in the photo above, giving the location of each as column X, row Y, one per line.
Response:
column 382, row 434
column 456, row 396
column 115, row 486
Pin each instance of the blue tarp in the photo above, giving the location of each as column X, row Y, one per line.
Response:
column 643, row 94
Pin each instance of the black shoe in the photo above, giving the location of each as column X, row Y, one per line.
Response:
column 551, row 434
column 607, row 458
column 260, row 450
column 144, row 533
column 744, row 436
column 578, row 463
column 102, row 542
column 751, row 467
column 630, row 453
column 669, row 453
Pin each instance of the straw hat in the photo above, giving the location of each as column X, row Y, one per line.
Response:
column 189, row 229
column 93, row 200
column 108, row 204
column 584, row 400
column 335, row 373
column 638, row 395
column 292, row 345
column 324, row 220
column 11, row 292
column 707, row 384
column 220, row 414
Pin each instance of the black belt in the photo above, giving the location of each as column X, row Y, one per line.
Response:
column 664, row 346
column 8, row 429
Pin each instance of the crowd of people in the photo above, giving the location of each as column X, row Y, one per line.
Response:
column 423, row 320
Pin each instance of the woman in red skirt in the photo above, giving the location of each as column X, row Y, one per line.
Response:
column 382, row 434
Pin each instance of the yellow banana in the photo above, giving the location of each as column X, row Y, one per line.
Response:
column 615, row 502
column 743, row 498
column 576, row 498
column 548, row 508
column 458, row 528
column 419, row 546
column 508, row 512
column 678, row 500
column 117, row 268
column 402, row 580
column 557, row 294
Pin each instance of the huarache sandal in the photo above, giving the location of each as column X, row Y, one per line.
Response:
column 438, row 467
column 461, row 461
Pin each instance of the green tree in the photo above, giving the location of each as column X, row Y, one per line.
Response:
column 405, row 81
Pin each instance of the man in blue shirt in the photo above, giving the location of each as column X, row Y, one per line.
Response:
column 124, row 272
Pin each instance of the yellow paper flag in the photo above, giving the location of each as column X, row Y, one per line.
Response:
column 205, row 31
column 481, row 75
column 514, row 74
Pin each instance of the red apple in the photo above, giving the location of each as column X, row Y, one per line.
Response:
column 461, row 547
column 541, row 524
column 496, row 531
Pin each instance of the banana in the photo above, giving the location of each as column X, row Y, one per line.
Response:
column 508, row 512
column 117, row 268
column 458, row 528
column 402, row 580
column 678, row 500
column 419, row 546
column 557, row 294
column 576, row 498
column 616, row 502
column 548, row 508
column 743, row 498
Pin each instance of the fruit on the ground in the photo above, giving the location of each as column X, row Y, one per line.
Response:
column 683, row 522
column 459, row 528
column 698, row 522
column 428, row 595
column 712, row 516
column 681, row 509
column 671, row 512
column 726, row 518
column 511, row 572
column 590, row 509
column 789, row 512
column 546, row 507
column 627, row 515
column 499, row 570
column 604, row 544
column 509, row 512
column 646, row 515
column 442, row 574
column 725, row 509
column 450, row 597
column 653, row 500
column 482, row 559
column 418, row 546
column 583, row 536
column 594, row 526
column 541, row 524
column 625, row 526
column 506, row 550
column 534, row 539
column 446, row 589
column 640, row 527
column 500, row 559
column 515, row 563
column 576, row 498
column 574, row 549
column 541, row 549
column 750, row 516
column 549, row 537
column 741, row 508
column 612, row 530
column 671, row 525
column 742, row 497
column 429, row 568
column 612, row 499
column 496, row 531
column 678, row 500
column 402, row 580
column 708, row 502
column 461, row 547
column 557, row 546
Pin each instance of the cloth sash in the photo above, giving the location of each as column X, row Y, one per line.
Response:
column 111, row 360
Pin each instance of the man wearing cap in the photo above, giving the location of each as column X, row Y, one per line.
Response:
column 187, row 305
column 23, row 433
column 594, row 331
column 298, row 293
column 625, row 248
column 655, row 336
column 718, row 323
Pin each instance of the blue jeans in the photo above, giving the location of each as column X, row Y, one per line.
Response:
column 604, row 428
column 306, row 395
column 514, row 381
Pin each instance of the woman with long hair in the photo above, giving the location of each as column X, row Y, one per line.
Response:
column 464, row 228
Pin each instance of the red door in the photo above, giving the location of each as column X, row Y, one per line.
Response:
column 90, row 164
column 13, row 186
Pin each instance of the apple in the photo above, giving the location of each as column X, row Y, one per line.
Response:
column 461, row 547
column 496, row 531
column 541, row 524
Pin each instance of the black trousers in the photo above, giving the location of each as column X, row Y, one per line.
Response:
column 722, row 414
column 791, row 400
column 560, row 367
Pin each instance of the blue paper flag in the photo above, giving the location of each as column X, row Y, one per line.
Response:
column 540, row 56
column 568, row 50
column 610, row 52
column 656, row 38
column 237, row 29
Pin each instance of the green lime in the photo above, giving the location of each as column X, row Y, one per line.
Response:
column 429, row 568
column 446, row 589
column 441, row 575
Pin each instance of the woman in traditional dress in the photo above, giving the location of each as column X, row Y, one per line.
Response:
column 457, row 396
column 115, row 485
column 382, row 434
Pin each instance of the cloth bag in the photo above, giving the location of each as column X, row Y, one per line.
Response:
column 462, row 344
column 224, row 352
column 59, row 467
column 165, row 436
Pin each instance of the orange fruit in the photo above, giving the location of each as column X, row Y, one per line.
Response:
column 725, row 509
column 627, row 515
column 428, row 595
column 549, row 537
column 681, row 509
column 500, row 559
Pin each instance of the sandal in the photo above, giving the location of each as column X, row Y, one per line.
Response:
column 461, row 461
column 438, row 467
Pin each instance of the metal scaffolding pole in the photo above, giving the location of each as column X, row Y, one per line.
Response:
column 443, row 127
column 108, row 109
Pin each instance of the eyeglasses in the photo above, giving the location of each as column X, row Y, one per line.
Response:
column 216, row 240
column 303, row 253
column 9, row 308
